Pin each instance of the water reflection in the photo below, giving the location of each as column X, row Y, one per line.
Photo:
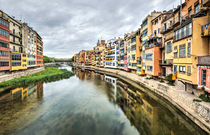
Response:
column 88, row 104
column 147, row 115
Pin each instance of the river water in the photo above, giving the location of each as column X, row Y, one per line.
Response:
column 88, row 104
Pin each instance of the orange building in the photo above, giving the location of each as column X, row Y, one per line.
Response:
column 39, row 50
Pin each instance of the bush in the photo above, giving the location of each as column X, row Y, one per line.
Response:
column 197, row 100
column 170, row 80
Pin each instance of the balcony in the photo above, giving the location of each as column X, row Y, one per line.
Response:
column 205, row 30
column 165, row 30
column 154, row 42
column 204, row 60
column 206, row 3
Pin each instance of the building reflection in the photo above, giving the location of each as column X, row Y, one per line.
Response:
column 147, row 115
column 21, row 93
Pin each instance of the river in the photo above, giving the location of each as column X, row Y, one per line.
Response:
column 88, row 104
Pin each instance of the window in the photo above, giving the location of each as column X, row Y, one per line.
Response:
column 189, row 49
column 133, row 47
column 190, row 11
column 175, row 69
column 4, row 22
column 14, row 48
column 175, row 52
column 203, row 82
column 139, row 69
column 183, row 32
column 182, row 51
column 196, row 7
column 4, row 32
column 182, row 69
column 16, row 56
column 15, row 64
column 5, row 45
column 4, row 53
column 149, row 56
column 158, row 30
column 133, row 57
column 149, row 68
column 144, row 23
column 133, row 39
column 169, row 47
column 188, row 70
column 145, row 33
column 4, row 63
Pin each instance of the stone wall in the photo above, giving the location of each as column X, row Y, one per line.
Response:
column 17, row 74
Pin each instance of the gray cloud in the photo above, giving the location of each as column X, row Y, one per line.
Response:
column 68, row 26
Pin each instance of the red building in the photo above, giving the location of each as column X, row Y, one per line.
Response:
column 4, row 42
column 39, row 50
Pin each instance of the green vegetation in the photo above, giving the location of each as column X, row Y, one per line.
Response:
column 205, row 97
column 47, row 59
column 197, row 100
column 48, row 75
column 170, row 80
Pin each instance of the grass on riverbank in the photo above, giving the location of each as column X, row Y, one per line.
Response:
column 50, row 73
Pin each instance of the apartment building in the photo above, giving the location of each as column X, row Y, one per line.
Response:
column 146, row 28
column 121, row 54
column 18, row 53
column 111, row 54
column 39, row 50
column 167, row 43
column 29, row 44
column 189, row 44
column 4, row 42
column 126, row 40
column 100, row 53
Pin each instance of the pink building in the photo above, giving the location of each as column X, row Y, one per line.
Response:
column 204, row 72
column 126, row 63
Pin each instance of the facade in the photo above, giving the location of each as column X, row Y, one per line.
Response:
column 111, row 60
column 100, row 53
column 146, row 28
column 189, row 44
column 167, row 43
column 153, row 49
column 30, row 45
column 18, row 53
column 4, row 42
column 39, row 50
column 121, row 54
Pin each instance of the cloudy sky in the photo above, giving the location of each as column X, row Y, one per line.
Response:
column 68, row 26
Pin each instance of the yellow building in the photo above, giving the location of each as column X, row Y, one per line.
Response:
column 18, row 60
column 100, row 53
column 187, row 47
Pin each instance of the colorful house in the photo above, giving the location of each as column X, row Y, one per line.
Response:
column 111, row 54
column 189, row 44
column 4, row 42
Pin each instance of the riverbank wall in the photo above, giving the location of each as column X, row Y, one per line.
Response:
column 18, row 74
column 198, row 112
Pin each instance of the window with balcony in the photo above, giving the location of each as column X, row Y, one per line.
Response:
column 144, row 23
column 4, row 63
column 4, row 53
column 145, row 33
column 16, row 56
column 133, row 39
column 15, row 64
column 4, row 22
column 5, row 45
column 182, row 51
column 4, row 32
column 190, row 11
column 183, row 32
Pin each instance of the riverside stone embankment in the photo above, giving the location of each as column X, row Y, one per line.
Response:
column 198, row 112
column 13, row 75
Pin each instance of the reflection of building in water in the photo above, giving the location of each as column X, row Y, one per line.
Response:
column 39, row 87
column 18, row 93
column 147, row 115
column 112, row 81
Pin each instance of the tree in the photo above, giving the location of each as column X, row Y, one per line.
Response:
column 47, row 59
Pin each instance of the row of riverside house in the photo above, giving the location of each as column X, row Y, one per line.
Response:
column 171, row 42
column 21, row 47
